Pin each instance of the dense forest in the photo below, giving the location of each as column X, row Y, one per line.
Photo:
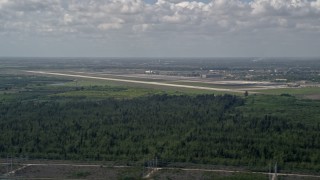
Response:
column 197, row 129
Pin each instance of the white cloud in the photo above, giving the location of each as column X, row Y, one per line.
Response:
column 163, row 19
column 67, row 18
column 77, row 14
column 108, row 26
column 3, row 2
column 281, row 8
column 316, row 4
column 142, row 27
column 175, row 18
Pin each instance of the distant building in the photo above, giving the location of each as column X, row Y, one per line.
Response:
column 302, row 82
column 293, row 85
column 211, row 75
column 149, row 72
column 152, row 72
column 281, row 80
column 249, row 76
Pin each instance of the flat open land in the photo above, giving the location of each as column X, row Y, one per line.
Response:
column 171, row 82
column 116, row 119
column 60, row 170
column 76, row 172
column 134, row 81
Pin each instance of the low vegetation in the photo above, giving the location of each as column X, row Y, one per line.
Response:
column 132, row 125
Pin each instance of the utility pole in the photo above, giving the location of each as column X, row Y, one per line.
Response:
column 7, row 164
column 152, row 166
column 275, row 170
column 143, row 168
column 270, row 175
column 274, row 177
column 11, row 163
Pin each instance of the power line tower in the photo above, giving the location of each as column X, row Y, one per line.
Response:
column 275, row 170
column 7, row 164
column 11, row 164
column 274, row 177
column 270, row 169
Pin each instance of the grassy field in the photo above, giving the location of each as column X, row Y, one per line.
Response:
column 108, row 91
column 71, row 172
column 189, row 175
column 134, row 173
column 283, row 106
column 129, row 90
column 204, row 84
column 98, row 82
column 277, row 102
column 303, row 92
column 15, row 86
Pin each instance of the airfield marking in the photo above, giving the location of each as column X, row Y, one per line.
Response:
column 139, row 82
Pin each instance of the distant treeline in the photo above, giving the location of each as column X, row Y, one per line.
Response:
column 196, row 129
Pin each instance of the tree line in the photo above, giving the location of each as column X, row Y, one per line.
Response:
column 206, row 129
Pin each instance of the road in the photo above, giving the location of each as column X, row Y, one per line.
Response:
column 231, row 171
column 155, row 170
column 138, row 82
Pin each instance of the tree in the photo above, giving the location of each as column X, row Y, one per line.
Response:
column 246, row 93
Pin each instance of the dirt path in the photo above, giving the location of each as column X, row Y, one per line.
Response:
column 157, row 170
column 11, row 173
column 230, row 171
column 235, row 171
column 151, row 173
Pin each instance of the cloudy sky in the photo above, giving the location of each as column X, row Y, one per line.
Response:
column 160, row 28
